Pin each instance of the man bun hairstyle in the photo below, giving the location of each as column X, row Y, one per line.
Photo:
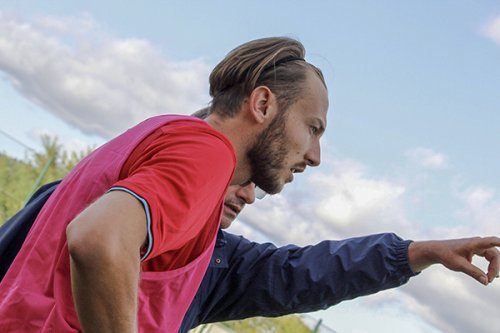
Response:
column 202, row 113
column 275, row 62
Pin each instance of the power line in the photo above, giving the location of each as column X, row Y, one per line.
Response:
column 19, row 142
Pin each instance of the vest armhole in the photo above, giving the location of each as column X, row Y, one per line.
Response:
column 148, row 246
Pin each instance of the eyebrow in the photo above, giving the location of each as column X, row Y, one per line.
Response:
column 321, row 126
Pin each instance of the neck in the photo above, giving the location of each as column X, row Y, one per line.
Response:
column 238, row 133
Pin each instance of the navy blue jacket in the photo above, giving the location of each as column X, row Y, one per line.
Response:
column 14, row 231
column 247, row 279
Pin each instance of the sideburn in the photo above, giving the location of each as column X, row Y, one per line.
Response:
column 267, row 156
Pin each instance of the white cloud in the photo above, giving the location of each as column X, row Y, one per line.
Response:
column 427, row 158
column 480, row 209
column 454, row 302
column 442, row 297
column 350, row 195
column 337, row 202
column 99, row 84
column 492, row 30
column 342, row 200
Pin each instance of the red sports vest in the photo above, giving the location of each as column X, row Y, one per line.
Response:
column 35, row 294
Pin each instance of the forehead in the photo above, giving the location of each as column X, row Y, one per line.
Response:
column 314, row 100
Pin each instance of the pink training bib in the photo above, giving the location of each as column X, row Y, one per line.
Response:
column 35, row 294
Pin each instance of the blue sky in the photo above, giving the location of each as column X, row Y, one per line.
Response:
column 414, row 125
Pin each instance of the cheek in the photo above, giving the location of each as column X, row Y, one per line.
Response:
column 301, row 144
column 296, row 150
column 299, row 139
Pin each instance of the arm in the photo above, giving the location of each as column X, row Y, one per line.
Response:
column 170, row 179
column 265, row 280
column 456, row 255
column 104, row 244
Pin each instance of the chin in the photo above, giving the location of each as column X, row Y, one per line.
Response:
column 277, row 188
column 225, row 223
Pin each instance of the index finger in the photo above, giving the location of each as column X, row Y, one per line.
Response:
column 493, row 256
column 487, row 242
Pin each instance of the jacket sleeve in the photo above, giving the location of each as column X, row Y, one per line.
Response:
column 263, row 280
column 14, row 231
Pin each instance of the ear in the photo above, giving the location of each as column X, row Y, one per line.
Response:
column 262, row 103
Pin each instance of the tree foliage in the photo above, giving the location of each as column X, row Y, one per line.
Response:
column 20, row 178
column 285, row 324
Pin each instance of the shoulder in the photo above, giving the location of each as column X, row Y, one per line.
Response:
column 194, row 135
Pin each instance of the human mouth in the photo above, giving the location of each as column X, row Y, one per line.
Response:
column 292, row 171
column 298, row 169
column 236, row 209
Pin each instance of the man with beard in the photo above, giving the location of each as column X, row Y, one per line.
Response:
column 240, row 274
column 130, row 230
column 246, row 279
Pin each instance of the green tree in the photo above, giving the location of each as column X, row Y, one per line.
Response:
column 285, row 324
column 15, row 181
column 20, row 178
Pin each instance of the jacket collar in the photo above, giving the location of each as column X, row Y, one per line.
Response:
column 219, row 257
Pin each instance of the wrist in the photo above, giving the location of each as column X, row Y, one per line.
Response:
column 421, row 255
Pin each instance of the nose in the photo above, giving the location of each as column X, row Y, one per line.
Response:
column 313, row 155
column 246, row 193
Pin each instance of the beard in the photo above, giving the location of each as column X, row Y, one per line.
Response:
column 267, row 156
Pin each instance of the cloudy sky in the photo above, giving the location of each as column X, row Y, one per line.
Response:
column 412, row 144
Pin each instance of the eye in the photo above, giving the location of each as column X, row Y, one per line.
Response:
column 315, row 130
column 246, row 183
